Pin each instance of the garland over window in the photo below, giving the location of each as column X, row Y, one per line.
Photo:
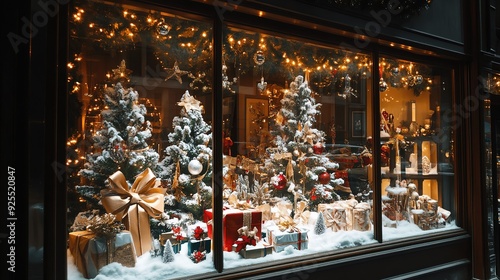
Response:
column 403, row 8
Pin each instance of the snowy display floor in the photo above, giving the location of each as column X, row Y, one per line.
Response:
column 152, row 268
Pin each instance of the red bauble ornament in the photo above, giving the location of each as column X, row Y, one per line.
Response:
column 324, row 178
column 318, row 148
column 281, row 183
column 385, row 149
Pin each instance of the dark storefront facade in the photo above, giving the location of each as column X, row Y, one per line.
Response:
column 283, row 139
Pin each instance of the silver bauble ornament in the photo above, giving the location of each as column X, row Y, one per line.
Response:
column 259, row 57
column 195, row 167
column 418, row 79
column 382, row 85
column 162, row 27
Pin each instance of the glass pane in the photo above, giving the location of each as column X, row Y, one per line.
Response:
column 296, row 151
column 139, row 153
column 417, row 150
column 491, row 142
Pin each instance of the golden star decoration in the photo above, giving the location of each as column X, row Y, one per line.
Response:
column 121, row 72
column 175, row 72
column 189, row 102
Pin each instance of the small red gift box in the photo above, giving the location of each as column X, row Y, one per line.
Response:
column 232, row 220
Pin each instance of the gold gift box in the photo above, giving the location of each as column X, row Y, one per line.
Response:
column 91, row 252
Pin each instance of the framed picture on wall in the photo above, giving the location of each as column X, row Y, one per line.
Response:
column 358, row 124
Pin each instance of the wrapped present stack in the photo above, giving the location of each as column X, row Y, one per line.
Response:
column 428, row 215
column 404, row 203
column 198, row 239
column 249, row 246
column 176, row 237
column 340, row 215
column 396, row 203
column 104, row 242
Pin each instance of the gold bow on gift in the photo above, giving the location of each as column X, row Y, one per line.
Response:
column 282, row 209
column 288, row 224
column 244, row 231
column 134, row 206
column 301, row 214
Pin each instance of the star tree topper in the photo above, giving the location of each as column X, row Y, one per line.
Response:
column 175, row 72
column 121, row 72
column 189, row 102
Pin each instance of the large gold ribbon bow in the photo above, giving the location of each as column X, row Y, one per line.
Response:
column 133, row 207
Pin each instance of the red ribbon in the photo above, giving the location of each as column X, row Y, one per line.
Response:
column 243, row 241
column 198, row 233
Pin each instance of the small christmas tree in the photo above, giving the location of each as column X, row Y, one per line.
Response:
column 121, row 144
column 168, row 252
column 187, row 163
column 320, row 226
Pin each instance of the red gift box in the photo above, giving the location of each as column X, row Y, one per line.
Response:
column 232, row 220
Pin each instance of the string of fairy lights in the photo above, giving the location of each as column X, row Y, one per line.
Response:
column 183, row 49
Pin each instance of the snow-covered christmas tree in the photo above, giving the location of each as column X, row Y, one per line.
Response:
column 187, row 163
column 299, row 149
column 320, row 226
column 121, row 143
column 168, row 252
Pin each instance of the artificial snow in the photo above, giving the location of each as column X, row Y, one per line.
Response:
column 152, row 268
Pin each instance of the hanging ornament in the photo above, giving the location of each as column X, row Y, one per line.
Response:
column 195, row 167
column 348, row 90
column 334, row 72
column 162, row 27
column 382, row 85
column 280, row 183
column 324, row 178
column 295, row 153
column 175, row 72
column 418, row 79
column 395, row 71
column 262, row 85
column 347, row 82
column 411, row 80
column 318, row 148
column 119, row 153
column 259, row 57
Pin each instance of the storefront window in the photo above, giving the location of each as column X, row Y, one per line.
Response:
column 297, row 145
column 298, row 148
column 417, row 148
column 139, row 153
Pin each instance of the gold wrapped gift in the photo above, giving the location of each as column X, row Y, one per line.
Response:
column 134, row 207
column 91, row 253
